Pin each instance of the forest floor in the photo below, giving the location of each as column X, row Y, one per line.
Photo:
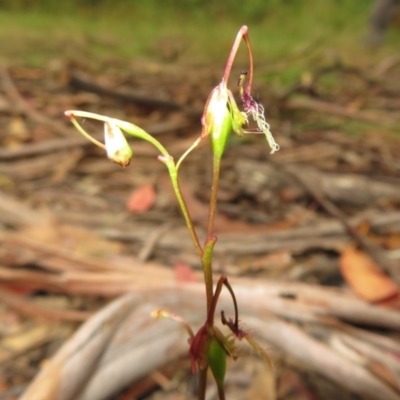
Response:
column 315, row 227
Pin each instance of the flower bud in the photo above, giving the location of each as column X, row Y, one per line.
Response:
column 217, row 361
column 117, row 147
column 217, row 119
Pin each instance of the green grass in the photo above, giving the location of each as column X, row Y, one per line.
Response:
column 288, row 36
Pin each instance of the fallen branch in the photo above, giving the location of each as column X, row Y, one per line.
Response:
column 26, row 307
column 21, row 106
column 319, row 106
column 81, row 81
column 316, row 191
column 96, row 362
column 357, row 190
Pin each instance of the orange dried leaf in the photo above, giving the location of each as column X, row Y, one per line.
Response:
column 184, row 273
column 141, row 199
column 365, row 277
column 16, row 288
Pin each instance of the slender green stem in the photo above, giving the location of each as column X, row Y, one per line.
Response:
column 84, row 133
column 126, row 126
column 175, row 317
column 207, row 270
column 173, row 173
column 195, row 144
column 166, row 158
column 213, row 199
column 203, row 383
column 211, row 239
column 141, row 134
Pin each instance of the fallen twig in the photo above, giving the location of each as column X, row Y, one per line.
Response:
column 317, row 192
column 117, row 359
column 82, row 81
column 26, row 307
column 323, row 107
column 23, row 107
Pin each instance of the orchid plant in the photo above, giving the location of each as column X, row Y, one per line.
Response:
column 209, row 346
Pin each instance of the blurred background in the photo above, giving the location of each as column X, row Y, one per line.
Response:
column 197, row 31
column 309, row 236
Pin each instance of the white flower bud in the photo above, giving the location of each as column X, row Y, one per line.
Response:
column 117, row 147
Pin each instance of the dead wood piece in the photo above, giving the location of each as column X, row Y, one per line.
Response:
column 321, row 302
column 385, row 65
column 308, row 153
column 43, row 147
column 21, row 106
column 151, row 242
column 374, row 250
column 16, row 213
column 78, row 357
column 56, row 258
column 13, row 392
column 81, row 81
column 308, row 300
column 65, row 165
column 323, row 107
column 111, row 357
column 25, row 307
column 324, row 233
column 4, row 104
column 40, row 167
column 255, row 177
column 382, row 342
column 319, row 357
column 388, row 360
column 75, row 273
column 32, row 279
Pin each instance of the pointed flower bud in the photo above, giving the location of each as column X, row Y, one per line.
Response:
column 117, row 147
column 217, row 360
column 217, row 119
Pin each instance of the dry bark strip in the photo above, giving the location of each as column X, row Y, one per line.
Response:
column 374, row 250
column 81, row 81
column 358, row 190
column 72, row 273
column 304, row 103
column 23, row 107
column 16, row 213
column 117, row 341
column 324, row 233
column 112, row 349
column 25, row 307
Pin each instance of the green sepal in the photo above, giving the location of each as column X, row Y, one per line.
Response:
column 217, row 361
column 239, row 118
